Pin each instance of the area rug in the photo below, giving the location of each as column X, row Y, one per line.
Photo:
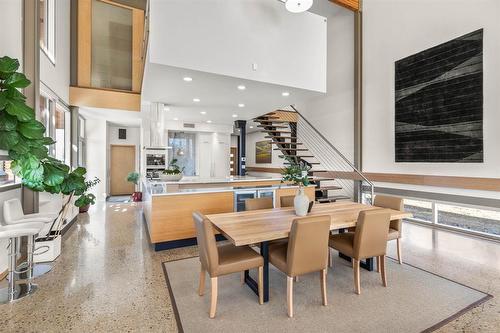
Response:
column 414, row 301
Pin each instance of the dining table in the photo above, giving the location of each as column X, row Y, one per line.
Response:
column 265, row 225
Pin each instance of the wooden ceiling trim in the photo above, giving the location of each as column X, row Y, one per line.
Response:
column 353, row 5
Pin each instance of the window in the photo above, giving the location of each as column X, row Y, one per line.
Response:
column 421, row 210
column 6, row 174
column 47, row 29
column 82, row 158
column 183, row 149
column 54, row 116
column 470, row 218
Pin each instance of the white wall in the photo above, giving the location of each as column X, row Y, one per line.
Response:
column 11, row 36
column 57, row 76
column 227, row 37
column 333, row 114
column 394, row 29
column 96, row 131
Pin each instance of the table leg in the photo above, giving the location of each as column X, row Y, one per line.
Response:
column 264, row 251
column 367, row 264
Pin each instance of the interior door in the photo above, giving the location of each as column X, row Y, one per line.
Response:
column 122, row 161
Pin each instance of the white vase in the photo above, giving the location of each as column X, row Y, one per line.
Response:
column 301, row 203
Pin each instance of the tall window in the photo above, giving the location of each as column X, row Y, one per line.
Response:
column 47, row 28
column 54, row 116
column 81, row 142
column 183, row 146
column 6, row 174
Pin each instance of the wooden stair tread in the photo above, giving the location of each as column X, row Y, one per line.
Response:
column 272, row 131
column 297, row 156
column 267, row 121
column 292, row 149
column 328, row 188
column 334, row 198
column 279, row 136
column 287, row 143
column 273, row 126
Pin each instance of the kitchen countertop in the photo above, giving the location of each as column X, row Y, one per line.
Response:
column 199, row 180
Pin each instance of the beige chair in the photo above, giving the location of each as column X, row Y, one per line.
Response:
column 368, row 241
column 305, row 252
column 287, row 201
column 222, row 260
column 395, row 227
column 259, row 203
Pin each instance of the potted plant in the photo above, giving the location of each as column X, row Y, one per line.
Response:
column 87, row 199
column 298, row 174
column 173, row 172
column 22, row 136
column 133, row 177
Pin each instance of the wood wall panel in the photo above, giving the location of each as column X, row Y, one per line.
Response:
column 137, row 49
column 353, row 5
column 84, row 60
column 102, row 98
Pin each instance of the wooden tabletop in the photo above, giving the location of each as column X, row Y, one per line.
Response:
column 250, row 227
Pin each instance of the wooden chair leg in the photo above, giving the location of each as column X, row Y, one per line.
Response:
column 323, row 286
column 296, row 279
column 378, row 264
column 213, row 301
column 357, row 285
column 330, row 257
column 289, row 295
column 242, row 278
column 382, row 269
column 400, row 258
column 201, row 286
column 261, row 285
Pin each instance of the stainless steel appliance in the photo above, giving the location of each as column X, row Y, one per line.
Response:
column 156, row 161
column 240, row 195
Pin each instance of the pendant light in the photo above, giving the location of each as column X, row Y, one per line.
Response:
column 298, row 6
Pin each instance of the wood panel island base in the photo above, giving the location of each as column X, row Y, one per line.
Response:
column 168, row 206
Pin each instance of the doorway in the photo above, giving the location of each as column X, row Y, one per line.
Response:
column 122, row 161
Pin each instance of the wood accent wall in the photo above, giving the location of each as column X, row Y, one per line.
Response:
column 284, row 115
column 103, row 98
column 468, row 183
column 264, row 169
column 137, row 47
column 353, row 5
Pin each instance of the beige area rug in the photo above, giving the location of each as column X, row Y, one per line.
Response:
column 414, row 301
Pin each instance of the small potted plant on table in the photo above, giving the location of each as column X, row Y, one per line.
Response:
column 298, row 174
column 133, row 177
column 173, row 172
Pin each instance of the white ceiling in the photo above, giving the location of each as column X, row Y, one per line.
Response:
column 218, row 94
column 114, row 117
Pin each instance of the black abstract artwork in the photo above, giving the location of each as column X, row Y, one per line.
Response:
column 439, row 103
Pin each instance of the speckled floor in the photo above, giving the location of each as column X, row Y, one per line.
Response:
column 108, row 278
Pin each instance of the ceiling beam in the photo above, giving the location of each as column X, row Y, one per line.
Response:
column 353, row 5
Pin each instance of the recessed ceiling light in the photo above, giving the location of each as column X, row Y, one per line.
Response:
column 209, row 121
column 196, row 100
column 298, row 6
column 166, row 108
column 203, row 112
column 241, row 105
column 251, row 127
column 285, row 94
column 188, row 79
column 235, row 115
column 176, row 119
column 241, row 87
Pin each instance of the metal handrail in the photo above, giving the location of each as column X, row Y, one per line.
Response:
column 337, row 151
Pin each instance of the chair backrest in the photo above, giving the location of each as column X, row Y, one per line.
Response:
column 370, row 238
column 308, row 245
column 12, row 210
column 207, row 246
column 287, row 201
column 397, row 203
column 259, row 203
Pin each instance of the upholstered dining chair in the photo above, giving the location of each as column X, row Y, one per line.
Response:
column 368, row 241
column 395, row 227
column 287, row 200
column 222, row 260
column 259, row 203
column 305, row 252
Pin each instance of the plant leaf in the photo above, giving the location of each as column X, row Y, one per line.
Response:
column 17, row 80
column 8, row 139
column 3, row 99
column 22, row 147
column 8, row 65
column 14, row 94
column 32, row 129
column 20, row 110
column 7, row 122
column 80, row 171
column 47, row 141
column 41, row 152
column 53, row 175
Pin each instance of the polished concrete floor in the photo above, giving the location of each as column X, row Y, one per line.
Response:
column 108, row 279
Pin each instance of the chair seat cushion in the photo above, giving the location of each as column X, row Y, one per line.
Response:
column 393, row 234
column 233, row 259
column 343, row 243
column 277, row 256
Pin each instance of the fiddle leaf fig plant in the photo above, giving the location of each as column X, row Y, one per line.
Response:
column 23, row 137
column 295, row 172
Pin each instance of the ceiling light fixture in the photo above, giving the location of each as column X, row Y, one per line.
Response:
column 166, row 108
column 241, row 87
column 285, row 94
column 235, row 115
column 176, row 119
column 188, row 79
column 203, row 112
column 241, row 105
column 298, row 6
column 196, row 100
column 251, row 127
column 209, row 121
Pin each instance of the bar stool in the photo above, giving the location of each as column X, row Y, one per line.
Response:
column 13, row 214
column 16, row 291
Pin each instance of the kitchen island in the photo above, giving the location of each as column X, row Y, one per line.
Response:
column 168, row 206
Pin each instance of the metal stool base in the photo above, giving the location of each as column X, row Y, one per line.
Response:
column 38, row 270
column 22, row 290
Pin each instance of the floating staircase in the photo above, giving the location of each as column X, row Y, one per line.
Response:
column 297, row 139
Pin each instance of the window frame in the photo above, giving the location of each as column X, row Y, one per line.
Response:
column 50, row 30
